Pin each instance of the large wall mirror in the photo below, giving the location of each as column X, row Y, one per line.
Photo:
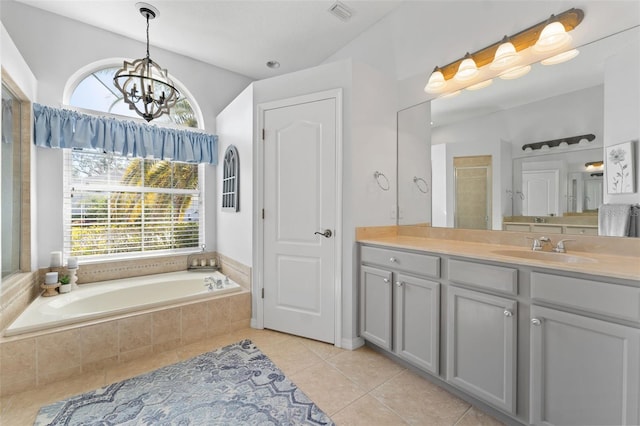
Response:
column 469, row 149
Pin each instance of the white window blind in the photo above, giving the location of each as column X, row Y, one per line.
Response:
column 117, row 205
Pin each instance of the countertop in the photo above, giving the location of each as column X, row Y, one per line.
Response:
column 604, row 265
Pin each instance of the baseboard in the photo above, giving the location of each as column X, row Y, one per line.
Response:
column 352, row 344
column 254, row 323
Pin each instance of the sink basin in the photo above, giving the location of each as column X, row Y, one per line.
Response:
column 545, row 255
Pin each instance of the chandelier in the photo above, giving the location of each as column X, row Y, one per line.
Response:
column 145, row 85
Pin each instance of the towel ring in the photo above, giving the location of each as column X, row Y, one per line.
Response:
column 417, row 181
column 382, row 185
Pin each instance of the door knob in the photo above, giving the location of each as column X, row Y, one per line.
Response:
column 327, row 233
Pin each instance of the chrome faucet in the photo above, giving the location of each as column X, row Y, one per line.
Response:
column 208, row 282
column 559, row 248
column 538, row 243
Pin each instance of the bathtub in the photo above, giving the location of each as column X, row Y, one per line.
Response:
column 115, row 297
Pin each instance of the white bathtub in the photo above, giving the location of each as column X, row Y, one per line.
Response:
column 107, row 298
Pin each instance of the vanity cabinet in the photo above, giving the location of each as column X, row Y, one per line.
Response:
column 400, row 306
column 482, row 333
column 584, row 358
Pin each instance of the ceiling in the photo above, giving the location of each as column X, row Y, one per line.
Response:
column 238, row 35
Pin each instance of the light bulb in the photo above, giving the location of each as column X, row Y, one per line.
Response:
column 552, row 37
column 436, row 82
column 561, row 57
column 480, row 85
column 505, row 56
column 516, row 72
column 467, row 69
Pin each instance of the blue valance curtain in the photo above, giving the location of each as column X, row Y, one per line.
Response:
column 61, row 128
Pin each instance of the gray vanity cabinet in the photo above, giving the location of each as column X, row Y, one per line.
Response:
column 481, row 346
column 584, row 371
column 417, row 321
column 399, row 306
column 375, row 306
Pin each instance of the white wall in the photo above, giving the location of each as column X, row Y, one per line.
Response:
column 234, row 230
column 622, row 112
column 414, row 160
column 14, row 64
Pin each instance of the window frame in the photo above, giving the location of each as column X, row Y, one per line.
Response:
column 230, row 196
column 68, row 190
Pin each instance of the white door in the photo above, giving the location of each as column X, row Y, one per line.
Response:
column 299, row 206
column 540, row 190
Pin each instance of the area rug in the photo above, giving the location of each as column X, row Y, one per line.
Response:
column 234, row 385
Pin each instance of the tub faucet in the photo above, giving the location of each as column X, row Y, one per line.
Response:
column 208, row 282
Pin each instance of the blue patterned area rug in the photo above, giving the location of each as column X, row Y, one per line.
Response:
column 234, row 385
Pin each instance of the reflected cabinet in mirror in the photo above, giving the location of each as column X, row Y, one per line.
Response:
column 481, row 160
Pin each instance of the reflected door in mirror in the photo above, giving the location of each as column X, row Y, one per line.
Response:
column 473, row 192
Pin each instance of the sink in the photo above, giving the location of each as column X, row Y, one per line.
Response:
column 545, row 255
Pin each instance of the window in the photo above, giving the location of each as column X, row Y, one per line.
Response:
column 97, row 92
column 116, row 205
column 230, row 180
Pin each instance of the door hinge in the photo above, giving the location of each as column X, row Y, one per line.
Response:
column 262, row 134
column 263, row 213
column 263, row 292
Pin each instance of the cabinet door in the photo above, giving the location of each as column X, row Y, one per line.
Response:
column 417, row 321
column 375, row 306
column 481, row 346
column 583, row 371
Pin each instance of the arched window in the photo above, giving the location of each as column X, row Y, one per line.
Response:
column 97, row 92
column 231, row 180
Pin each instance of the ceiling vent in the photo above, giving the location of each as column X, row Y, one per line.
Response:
column 341, row 11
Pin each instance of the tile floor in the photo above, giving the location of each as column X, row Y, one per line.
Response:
column 358, row 387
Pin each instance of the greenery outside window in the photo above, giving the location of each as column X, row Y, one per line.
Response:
column 116, row 205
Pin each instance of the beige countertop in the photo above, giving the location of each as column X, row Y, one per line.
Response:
column 605, row 265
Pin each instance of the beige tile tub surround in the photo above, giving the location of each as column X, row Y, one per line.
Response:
column 37, row 359
column 615, row 257
column 16, row 293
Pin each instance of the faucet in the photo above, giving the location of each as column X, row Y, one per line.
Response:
column 559, row 248
column 538, row 243
column 208, row 282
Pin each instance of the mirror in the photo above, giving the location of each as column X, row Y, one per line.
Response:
column 551, row 102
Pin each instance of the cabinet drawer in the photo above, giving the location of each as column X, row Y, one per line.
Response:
column 581, row 230
column 497, row 278
column 604, row 298
column 420, row 264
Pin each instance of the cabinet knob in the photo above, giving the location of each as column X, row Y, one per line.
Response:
column 535, row 321
column 399, row 283
column 393, row 259
column 386, row 280
column 508, row 313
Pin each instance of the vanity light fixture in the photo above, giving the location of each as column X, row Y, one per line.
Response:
column 544, row 38
column 467, row 69
column 553, row 36
column 561, row 57
column 572, row 140
column 436, row 81
column 480, row 85
column 144, row 84
column 515, row 72
column 594, row 165
column 506, row 55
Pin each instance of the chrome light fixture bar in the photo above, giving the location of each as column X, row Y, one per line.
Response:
column 145, row 85
column 548, row 37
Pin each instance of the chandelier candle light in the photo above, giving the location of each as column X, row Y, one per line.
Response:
column 511, row 57
column 145, row 85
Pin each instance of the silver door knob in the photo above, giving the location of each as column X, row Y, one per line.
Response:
column 386, row 280
column 508, row 313
column 327, row 233
column 399, row 283
column 392, row 259
column 535, row 321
